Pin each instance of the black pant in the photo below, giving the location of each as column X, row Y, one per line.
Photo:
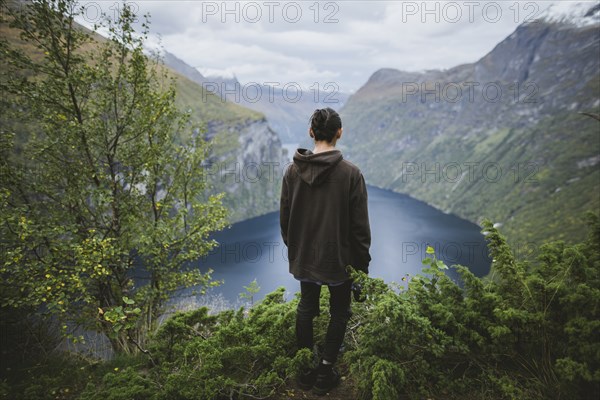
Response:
column 339, row 310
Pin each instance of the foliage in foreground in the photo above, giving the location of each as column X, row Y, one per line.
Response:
column 102, row 186
column 526, row 333
column 196, row 355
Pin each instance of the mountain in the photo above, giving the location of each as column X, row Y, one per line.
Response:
column 244, row 151
column 286, row 106
column 247, row 158
column 212, row 84
column 501, row 138
column 179, row 66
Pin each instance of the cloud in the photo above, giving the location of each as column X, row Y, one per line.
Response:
column 339, row 41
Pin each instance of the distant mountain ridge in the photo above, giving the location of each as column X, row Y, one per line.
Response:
column 500, row 138
column 287, row 109
column 179, row 66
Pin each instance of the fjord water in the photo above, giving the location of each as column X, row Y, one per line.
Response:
column 401, row 228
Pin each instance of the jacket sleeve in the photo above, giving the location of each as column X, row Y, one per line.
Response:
column 360, row 229
column 284, row 209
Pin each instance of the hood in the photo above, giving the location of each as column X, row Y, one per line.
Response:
column 314, row 168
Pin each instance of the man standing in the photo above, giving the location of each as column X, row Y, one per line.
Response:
column 325, row 225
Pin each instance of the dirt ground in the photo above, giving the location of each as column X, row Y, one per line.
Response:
column 344, row 391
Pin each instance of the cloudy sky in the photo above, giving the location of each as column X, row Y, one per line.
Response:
column 344, row 42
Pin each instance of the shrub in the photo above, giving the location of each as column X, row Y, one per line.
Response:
column 530, row 331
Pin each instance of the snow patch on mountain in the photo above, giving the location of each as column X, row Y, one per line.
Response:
column 579, row 13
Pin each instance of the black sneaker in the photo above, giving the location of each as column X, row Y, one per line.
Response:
column 327, row 379
column 306, row 379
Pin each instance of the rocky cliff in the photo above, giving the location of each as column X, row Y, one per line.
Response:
column 246, row 157
column 247, row 165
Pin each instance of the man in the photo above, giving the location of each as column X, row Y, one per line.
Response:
column 325, row 225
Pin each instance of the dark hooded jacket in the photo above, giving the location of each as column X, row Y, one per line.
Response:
column 324, row 216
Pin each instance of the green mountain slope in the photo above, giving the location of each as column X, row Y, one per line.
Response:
column 232, row 128
column 500, row 138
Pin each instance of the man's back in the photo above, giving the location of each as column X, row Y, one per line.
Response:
column 324, row 216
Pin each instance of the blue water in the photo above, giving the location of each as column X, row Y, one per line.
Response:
column 401, row 228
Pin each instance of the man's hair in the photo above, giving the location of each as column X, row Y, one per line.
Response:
column 325, row 123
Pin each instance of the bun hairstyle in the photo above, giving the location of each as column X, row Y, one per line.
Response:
column 325, row 124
